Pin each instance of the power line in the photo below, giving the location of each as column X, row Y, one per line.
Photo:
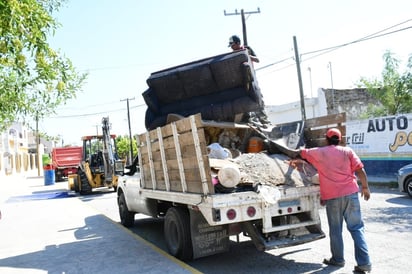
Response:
column 329, row 49
column 350, row 43
column 94, row 113
column 368, row 37
column 275, row 63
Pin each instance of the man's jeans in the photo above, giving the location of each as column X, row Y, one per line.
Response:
column 346, row 208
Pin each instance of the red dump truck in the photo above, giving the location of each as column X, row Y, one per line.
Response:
column 66, row 161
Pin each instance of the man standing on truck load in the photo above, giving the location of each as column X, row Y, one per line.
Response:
column 337, row 166
column 234, row 43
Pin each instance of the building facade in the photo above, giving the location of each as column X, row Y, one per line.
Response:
column 18, row 149
column 383, row 143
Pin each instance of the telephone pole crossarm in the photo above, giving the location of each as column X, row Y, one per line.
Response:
column 242, row 13
column 245, row 12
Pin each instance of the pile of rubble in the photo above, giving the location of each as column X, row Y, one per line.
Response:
column 276, row 169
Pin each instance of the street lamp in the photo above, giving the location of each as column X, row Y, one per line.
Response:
column 310, row 81
column 331, row 82
column 331, row 76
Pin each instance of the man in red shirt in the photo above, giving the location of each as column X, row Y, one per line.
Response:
column 337, row 166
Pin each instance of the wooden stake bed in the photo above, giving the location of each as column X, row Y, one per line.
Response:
column 175, row 157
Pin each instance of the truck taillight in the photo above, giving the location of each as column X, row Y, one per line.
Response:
column 231, row 214
column 251, row 211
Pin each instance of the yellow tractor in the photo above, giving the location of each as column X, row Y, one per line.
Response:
column 100, row 165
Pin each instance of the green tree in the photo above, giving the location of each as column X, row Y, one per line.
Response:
column 123, row 146
column 394, row 91
column 34, row 78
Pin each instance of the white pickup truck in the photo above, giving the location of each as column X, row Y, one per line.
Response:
column 211, row 168
column 275, row 205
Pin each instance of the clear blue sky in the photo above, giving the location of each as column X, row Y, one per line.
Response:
column 119, row 43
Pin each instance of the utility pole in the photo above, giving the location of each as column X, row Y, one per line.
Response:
column 37, row 143
column 242, row 13
column 130, row 130
column 302, row 97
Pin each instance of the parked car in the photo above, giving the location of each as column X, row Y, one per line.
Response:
column 405, row 179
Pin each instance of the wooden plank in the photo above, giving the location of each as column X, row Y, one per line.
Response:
column 182, row 126
column 193, row 181
column 316, row 128
column 204, row 174
column 187, row 147
column 160, row 156
column 142, row 176
column 147, row 174
column 332, row 119
column 172, row 164
column 163, row 159
column 185, row 139
column 191, row 174
column 150, row 160
column 179, row 158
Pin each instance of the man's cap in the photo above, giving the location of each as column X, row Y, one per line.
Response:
column 233, row 39
column 334, row 132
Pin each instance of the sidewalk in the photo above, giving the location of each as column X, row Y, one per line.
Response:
column 44, row 230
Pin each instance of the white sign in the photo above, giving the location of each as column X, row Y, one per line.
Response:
column 383, row 137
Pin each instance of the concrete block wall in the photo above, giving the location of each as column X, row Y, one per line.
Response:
column 352, row 101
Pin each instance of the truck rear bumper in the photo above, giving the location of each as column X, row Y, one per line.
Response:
column 283, row 239
column 285, row 242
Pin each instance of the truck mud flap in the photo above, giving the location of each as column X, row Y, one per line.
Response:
column 273, row 241
column 207, row 240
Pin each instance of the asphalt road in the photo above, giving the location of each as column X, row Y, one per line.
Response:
column 387, row 217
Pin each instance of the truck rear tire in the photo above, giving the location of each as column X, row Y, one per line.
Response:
column 126, row 217
column 177, row 233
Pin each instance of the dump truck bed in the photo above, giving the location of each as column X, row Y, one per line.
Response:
column 64, row 157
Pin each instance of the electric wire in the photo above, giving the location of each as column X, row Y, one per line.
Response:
column 323, row 51
column 94, row 113
column 320, row 52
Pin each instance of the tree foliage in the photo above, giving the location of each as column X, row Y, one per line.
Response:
column 123, row 146
column 34, row 78
column 394, row 90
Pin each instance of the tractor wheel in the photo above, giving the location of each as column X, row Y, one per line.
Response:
column 85, row 187
column 126, row 216
column 177, row 233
